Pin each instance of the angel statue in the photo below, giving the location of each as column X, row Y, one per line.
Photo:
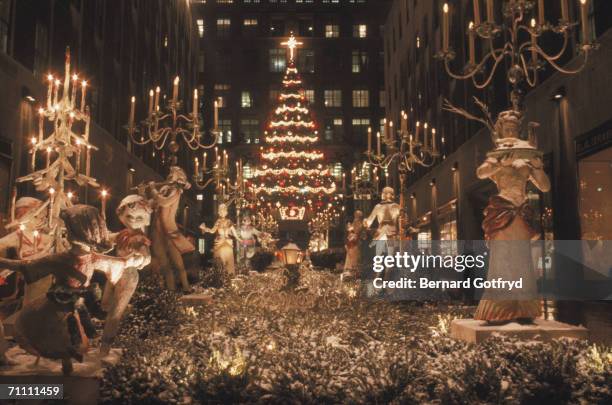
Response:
column 224, row 245
column 58, row 325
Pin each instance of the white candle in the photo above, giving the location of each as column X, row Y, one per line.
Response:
column 195, row 103
column 404, row 123
column 132, row 112
column 83, row 92
column 204, row 161
column 216, row 115
column 75, row 83
column 490, row 15
column 48, row 157
column 151, row 93
column 416, row 133
column 534, row 43
column 477, row 12
column 446, row 28
column 472, row 46
column 175, row 89
column 196, row 166
column 56, row 91
column 378, row 143
column 434, row 143
column 343, row 181
column 584, row 14
column 425, row 139
column 103, row 195
column 391, row 133
column 369, row 139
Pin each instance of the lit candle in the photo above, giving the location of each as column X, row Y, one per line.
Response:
column 472, row 47
column 425, row 139
column 391, row 133
column 434, row 143
column 416, row 133
column 216, row 153
column 564, row 11
column 157, row 90
column 49, row 90
column 541, row 18
column 369, row 139
column 378, row 143
column 490, row 16
column 446, row 28
column 225, row 159
column 534, row 43
column 151, row 92
column 584, row 14
column 103, row 195
column 216, row 115
column 477, row 12
column 344, row 181
column 195, row 103
column 132, row 111
column 75, row 79
column 204, row 161
column 404, row 123
column 386, row 178
column 175, row 89
column 83, row 92
column 196, row 166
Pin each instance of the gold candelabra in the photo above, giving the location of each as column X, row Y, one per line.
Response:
column 165, row 125
column 66, row 149
column 418, row 147
column 526, row 56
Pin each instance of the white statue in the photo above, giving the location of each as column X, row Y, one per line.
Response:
column 224, row 245
column 509, row 221
column 387, row 214
column 134, row 212
column 247, row 236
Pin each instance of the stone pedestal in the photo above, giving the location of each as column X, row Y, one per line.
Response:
column 197, row 299
column 81, row 387
column 474, row 331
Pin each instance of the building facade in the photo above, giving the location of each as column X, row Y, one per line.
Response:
column 447, row 201
column 123, row 48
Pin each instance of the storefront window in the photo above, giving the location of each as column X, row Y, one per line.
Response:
column 595, row 180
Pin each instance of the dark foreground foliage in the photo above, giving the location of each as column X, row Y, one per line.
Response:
column 322, row 344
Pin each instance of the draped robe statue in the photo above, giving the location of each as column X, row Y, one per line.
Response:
column 223, row 250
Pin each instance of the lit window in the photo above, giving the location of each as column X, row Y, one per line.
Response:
column 360, row 126
column 225, row 126
column 277, row 60
column 359, row 61
column 361, row 98
column 246, row 101
column 333, row 98
column 250, row 22
column 250, row 130
column 310, row 96
column 332, row 31
column 223, row 27
column 360, row 31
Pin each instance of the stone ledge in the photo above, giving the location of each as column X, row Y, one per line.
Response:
column 197, row 299
column 473, row 331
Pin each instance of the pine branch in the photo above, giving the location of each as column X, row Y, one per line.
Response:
column 448, row 106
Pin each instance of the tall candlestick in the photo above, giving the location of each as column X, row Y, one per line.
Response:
column 391, row 134
column 156, row 104
column 204, row 161
column 216, row 153
column 344, row 181
column 564, row 11
column 196, row 166
column 151, row 93
column 378, row 143
column 586, row 28
column 416, row 133
column 83, row 92
column 404, row 123
column 175, row 89
column 541, row 17
column 445, row 27
column 225, row 159
column 56, row 91
column 369, row 139
column 477, row 12
column 472, row 41
column 490, row 15
column 425, row 139
column 103, row 195
column 132, row 111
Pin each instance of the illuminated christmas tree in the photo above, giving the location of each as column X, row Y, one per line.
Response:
column 293, row 179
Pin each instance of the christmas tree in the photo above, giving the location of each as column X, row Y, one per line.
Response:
column 294, row 179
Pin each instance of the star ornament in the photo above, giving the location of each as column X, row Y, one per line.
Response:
column 292, row 43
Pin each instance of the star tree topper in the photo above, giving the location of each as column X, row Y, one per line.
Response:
column 292, row 43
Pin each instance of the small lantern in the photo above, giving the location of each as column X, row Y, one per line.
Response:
column 291, row 254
